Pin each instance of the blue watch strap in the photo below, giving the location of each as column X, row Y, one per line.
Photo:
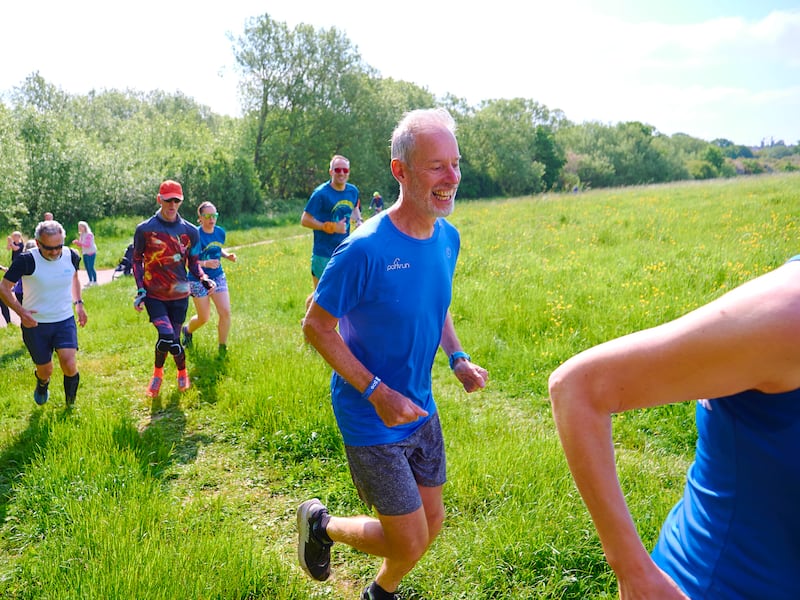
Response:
column 456, row 355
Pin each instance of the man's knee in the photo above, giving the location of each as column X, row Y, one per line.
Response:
column 410, row 552
column 169, row 345
column 408, row 537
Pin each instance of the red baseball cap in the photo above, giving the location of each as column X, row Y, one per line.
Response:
column 170, row 189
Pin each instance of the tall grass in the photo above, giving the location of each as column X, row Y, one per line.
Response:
column 193, row 495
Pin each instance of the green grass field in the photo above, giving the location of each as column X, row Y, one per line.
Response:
column 193, row 496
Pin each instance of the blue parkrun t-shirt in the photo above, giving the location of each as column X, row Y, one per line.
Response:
column 328, row 204
column 391, row 294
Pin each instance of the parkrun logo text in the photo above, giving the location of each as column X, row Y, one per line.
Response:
column 398, row 265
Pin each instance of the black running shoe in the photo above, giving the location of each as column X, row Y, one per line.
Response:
column 367, row 594
column 187, row 337
column 41, row 393
column 314, row 555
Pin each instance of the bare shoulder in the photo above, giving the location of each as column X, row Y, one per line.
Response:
column 753, row 330
column 771, row 298
column 745, row 339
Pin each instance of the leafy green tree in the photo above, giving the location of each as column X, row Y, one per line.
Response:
column 509, row 142
column 713, row 155
column 590, row 147
column 738, row 152
column 776, row 150
column 36, row 93
column 752, row 166
column 689, row 146
column 701, row 169
column 550, row 154
column 298, row 89
column 105, row 153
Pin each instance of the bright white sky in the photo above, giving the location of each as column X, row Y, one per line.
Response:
column 707, row 68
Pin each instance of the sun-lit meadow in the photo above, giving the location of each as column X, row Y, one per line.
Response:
column 193, row 496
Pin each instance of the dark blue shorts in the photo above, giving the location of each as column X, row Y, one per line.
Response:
column 162, row 311
column 387, row 476
column 45, row 338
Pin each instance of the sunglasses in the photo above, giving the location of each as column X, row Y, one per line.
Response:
column 341, row 170
column 46, row 247
column 171, row 200
column 209, row 216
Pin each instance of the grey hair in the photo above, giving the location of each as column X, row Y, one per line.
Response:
column 415, row 122
column 339, row 157
column 48, row 228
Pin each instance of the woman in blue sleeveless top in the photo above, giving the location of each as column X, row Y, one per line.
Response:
column 735, row 533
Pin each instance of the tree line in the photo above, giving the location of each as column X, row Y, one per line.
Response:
column 307, row 94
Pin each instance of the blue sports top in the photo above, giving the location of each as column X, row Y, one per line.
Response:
column 328, row 204
column 211, row 245
column 735, row 534
column 391, row 293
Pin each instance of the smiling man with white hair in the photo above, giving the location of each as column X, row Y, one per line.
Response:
column 378, row 317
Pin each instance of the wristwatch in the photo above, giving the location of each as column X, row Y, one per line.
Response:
column 456, row 355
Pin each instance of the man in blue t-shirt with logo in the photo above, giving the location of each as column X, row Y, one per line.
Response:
column 378, row 316
column 328, row 213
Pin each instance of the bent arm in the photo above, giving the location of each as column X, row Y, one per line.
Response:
column 319, row 328
column 329, row 227
column 7, row 295
column 309, row 221
column 471, row 376
column 9, row 298
column 77, row 300
column 738, row 342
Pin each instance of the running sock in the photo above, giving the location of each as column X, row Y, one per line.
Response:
column 378, row 593
column 71, row 385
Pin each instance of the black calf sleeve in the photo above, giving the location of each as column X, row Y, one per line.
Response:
column 71, row 385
